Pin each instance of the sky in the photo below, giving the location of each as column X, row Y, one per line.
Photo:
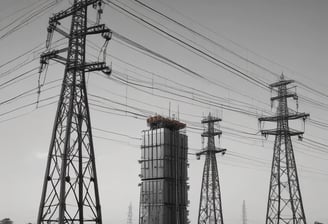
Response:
column 262, row 38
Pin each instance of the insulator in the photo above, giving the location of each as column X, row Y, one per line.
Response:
column 300, row 138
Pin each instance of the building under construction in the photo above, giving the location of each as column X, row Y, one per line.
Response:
column 163, row 193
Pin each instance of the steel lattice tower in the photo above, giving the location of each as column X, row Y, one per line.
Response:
column 244, row 213
column 285, row 202
column 210, row 206
column 70, row 188
column 130, row 216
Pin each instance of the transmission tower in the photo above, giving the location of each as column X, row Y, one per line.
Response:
column 244, row 213
column 70, row 189
column 210, row 206
column 285, row 201
column 129, row 221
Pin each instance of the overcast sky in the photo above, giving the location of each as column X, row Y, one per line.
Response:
column 286, row 36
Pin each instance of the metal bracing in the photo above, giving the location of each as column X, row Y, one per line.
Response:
column 70, row 189
column 210, row 206
column 285, row 202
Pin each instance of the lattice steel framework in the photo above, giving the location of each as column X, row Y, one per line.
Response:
column 130, row 216
column 70, row 189
column 244, row 213
column 210, row 206
column 285, row 202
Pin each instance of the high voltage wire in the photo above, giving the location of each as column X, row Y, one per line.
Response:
column 29, row 112
column 222, row 46
column 132, row 113
column 91, row 104
column 195, row 92
column 26, row 105
column 237, row 136
column 238, row 132
column 141, row 47
column 220, row 105
column 14, row 13
column 127, row 40
column 27, row 14
column 194, row 42
column 22, row 55
column 29, row 92
column 162, row 57
column 259, row 162
column 318, row 104
column 205, row 37
column 179, row 67
column 247, row 157
column 6, row 83
column 27, row 18
column 320, row 124
column 135, row 138
column 190, row 47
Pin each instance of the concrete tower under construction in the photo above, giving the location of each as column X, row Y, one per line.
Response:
column 163, row 193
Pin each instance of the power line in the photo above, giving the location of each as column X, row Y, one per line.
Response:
column 212, row 58
column 225, row 48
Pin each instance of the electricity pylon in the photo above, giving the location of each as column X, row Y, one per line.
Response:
column 70, row 189
column 285, row 201
column 244, row 213
column 130, row 216
column 210, row 206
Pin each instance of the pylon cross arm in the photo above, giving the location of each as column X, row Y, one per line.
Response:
column 293, row 116
column 106, row 32
column 288, row 95
column 70, row 11
column 45, row 57
column 97, row 66
column 289, row 132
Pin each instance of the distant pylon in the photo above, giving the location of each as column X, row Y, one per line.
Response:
column 129, row 221
column 210, row 206
column 244, row 213
column 285, row 202
column 70, row 188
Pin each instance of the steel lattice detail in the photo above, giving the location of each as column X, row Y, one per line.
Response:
column 70, row 188
column 284, row 201
column 210, row 206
